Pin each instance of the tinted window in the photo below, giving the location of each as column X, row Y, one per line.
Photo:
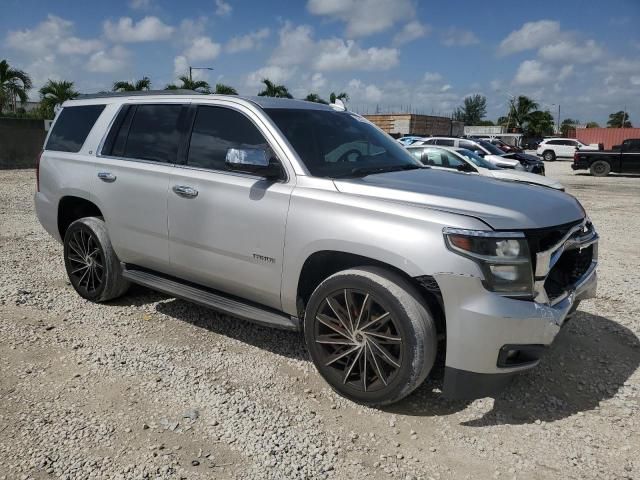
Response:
column 632, row 145
column 554, row 142
column 490, row 147
column 431, row 141
column 215, row 131
column 340, row 144
column 72, row 128
column 416, row 152
column 434, row 158
column 445, row 142
column 154, row 133
column 468, row 145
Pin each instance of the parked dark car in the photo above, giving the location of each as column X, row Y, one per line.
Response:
column 531, row 143
column 505, row 147
column 531, row 163
column 623, row 158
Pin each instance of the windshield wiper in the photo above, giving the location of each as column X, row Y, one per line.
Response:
column 364, row 171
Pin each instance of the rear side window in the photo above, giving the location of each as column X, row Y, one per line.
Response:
column 216, row 130
column 72, row 128
column 154, row 133
column 445, row 142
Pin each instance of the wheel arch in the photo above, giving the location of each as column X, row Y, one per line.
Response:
column 73, row 207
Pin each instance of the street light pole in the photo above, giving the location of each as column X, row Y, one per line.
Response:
column 196, row 68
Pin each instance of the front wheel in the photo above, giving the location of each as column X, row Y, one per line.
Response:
column 92, row 265
column 600, row 168
column 370, row 335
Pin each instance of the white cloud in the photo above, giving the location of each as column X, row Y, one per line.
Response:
column 109, row 61
column 533, row 72
column 337, row 54
column 249, row 41
column 51, row 36
column 362, row 92
column 410, row 32
column 446, row 88
column 568, row 50
column 456, row 37
column 364, row 17
column 531, row 35
column 274, row 73
column 318, row 81
column 223, row 8
column 432, row 77
column 140, row 4
column 296, row 45
column 148, row 29
column 202, row 48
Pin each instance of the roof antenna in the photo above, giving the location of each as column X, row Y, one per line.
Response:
column 339, row 105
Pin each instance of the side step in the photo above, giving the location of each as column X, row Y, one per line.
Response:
column 208, row 298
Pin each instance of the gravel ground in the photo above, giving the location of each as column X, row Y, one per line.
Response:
column 153, row 387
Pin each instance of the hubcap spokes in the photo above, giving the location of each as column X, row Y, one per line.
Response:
column 359, row 340
column 86, row 262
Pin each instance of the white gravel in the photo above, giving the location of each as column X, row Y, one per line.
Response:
column 152, row 387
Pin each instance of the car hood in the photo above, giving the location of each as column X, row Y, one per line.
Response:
column 526, row 177
column 502, row 161
column 501, row 205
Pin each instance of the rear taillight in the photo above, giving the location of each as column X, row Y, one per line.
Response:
column 38, row 172
column 575, row 157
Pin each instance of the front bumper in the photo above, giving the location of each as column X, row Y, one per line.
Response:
column 480, row 323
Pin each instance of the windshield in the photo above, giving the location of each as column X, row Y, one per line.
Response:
column 476, row 159
column 490, row 147
column 340, row 144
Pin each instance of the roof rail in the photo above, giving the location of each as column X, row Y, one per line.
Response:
column 137, row 93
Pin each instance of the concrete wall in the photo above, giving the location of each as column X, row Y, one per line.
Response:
column 20, row 142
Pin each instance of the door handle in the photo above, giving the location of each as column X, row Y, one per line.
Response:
column 107, row 177
column 184, row 191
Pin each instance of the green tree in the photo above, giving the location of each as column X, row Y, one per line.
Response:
column 314, row 97
column 539, row 124
column 14, row 85
column 619, row 119
column 503, row 121
column 339, row 96
column 520, row 110
column 273, row 90
column 143, row 84
column 188, row 84
column 593, row 125
column 485, row 123
column 55, row 93
column 568, row 124
column 472, row 110
column 223, row 89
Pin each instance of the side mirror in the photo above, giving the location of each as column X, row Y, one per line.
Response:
column 257, row 161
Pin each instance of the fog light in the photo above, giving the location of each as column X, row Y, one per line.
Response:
column 505, row 272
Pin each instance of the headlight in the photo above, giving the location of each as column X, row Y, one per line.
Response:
column 503, row 257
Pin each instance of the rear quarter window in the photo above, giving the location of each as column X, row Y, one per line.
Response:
column 72, row 128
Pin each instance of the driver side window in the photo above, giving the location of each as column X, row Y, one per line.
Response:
column 215, row 131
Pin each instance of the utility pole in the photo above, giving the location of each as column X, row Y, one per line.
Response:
column 196, row 68
column 558, row 118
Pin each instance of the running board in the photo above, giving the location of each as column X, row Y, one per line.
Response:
column 215, row 300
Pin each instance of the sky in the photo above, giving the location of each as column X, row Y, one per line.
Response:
column 388, row 55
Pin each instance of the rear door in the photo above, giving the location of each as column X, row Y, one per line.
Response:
column 132, row 179
column 631, row 156
column 227, row 228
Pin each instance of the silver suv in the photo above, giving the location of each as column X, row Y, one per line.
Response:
column 307, row 217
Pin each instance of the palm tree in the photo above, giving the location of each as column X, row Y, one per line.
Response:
column 55, row 93
column 273, row 90
column 14, row 84
column 143, row 84
column 189, row 84
column 223, row 89
column 314, row 97
column 340, row 96
column 520, row 110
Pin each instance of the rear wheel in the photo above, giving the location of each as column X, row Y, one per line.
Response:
column 370, row 335
column 91, row 263
column 600, row 168
column 549, row 155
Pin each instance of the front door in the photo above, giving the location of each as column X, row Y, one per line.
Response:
column 630, row 162
column 132, row 179
column 227, row 228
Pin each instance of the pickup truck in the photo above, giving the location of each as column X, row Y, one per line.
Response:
column 307, row 217
column 623, row 158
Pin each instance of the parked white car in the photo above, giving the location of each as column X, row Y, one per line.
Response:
column 485, row 149
column 551, row 148
column 464, row 160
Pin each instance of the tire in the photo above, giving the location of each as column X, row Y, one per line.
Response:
column 600, row 168
column 395, row 325
column 91, row 263
column 549, row 156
